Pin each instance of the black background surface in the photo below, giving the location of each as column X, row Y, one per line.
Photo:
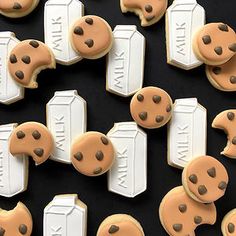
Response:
column 88, row 77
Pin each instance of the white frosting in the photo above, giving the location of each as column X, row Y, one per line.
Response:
column 187, row 132
column 59, row 16
column 64, row 217
column 10, row 91
column 13, row 170
column 66, row 119
column 128, row 175
column 183, row 18
column 125, row 61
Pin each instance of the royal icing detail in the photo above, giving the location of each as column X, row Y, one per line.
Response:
column 65, row 216
column 186, row 132
column 13, row 171
column 183, row 18
column 128, row 175
column 66, row 119
column 10, row 91
column 125, row 61
column 58, row 18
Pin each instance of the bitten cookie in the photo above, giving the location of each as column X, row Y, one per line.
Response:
column 226, row 121
column 214, row 43
column 16, row 222
column 205, row 179
column 149, row 11
column 229, row 223
column 223, row 77
column 26, row 61
column 17, row 8
column 91, row 37
column 120, row 225
column 92, row 154
column 180, row 215
column 151, row 107
column 32, row 139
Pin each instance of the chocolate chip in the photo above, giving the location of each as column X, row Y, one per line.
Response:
column 143, row 115
column 89, row 21
column 232, row 47
column 20, row 134
column 23, row 229
column 34, row 43
column 212, row 172
column 39, row 152
column 168, row 108
column 206, row 39
column 26, row 59
column 149, row 18
column 231, row 228
column 36, row 135
column 2, row 231
column 156, row 98
column 13, row 58
column 99, row 155
column 234, row 140
column 159, row 119
column 218, row 50
column 17, row 6
column 182, row 208
column 197, row 220
column 177, row 227
column 19, row 74
column 148, row 8
column 222, row 185
column 89, row 42
column 78, row 156
column 216, row 70
column 104, row 140
column 230, row 115
column 202, row 189
column 193, row 179
column 140, row 97
column 223, row 27
column 97, row 171
column 78, row 30
column 113, row 229
column 233, row 79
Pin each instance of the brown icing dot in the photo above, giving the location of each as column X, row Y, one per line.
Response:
column 20, row 134
column 233, row 79
column 206, row 39
column 17, row 6
column 182, row 208
column 232, row 47
column 216, row 70
column 234, row 140
column 99, row 155
column 223, row 27
column 143, row 115
column 26, row 59
column 159, row 119
column 113, row 229
column 156, row 99
column 193, row 179
column 36, row 135
column 89, row 43
column 202, row 189
column 149, row 18
column 140, row 97
column 89, row 21
column 148, row 8
column 218, row 50
column 19, row 74
column 197, row 220
column 222, row 185
column 23, row 229
column 39, row 152
column 104, row 140
column 230, row 115
column 2, row 231
column 78, row 30
column 13, row 58
column 177, row 227
column 212, row 172
column 168, row 108
column 97, row 171
column 78, row 156
column 34, row 43
column 231, row 228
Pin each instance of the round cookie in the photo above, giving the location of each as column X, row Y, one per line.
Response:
column 16, row 222
column 27, row 59
column 120, row 225
column 151, row 107
column 149, row 11
column 91, row 37
column 226, row 121
column 223, row 77
column 228, row 225
column 17, row 8
column 32, row 139
column 205, row 179
column 180, row 215
column 92, row 154
column 214, row 43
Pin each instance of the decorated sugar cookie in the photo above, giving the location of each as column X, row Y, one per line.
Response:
column 228, row 225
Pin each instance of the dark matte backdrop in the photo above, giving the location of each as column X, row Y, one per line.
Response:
column 88, row 77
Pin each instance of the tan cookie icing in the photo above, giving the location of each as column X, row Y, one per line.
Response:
column 27, row 59
column 120, row 225
column 151, row 107
column 16, row 222
column 32, row 139
column 180, row 214
column 226, row 121
column 228, row 226
column 205, row 179
column 91, row 37
column 149, row 11
column 223, row 77
column 215, row 43
column 92, row 154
